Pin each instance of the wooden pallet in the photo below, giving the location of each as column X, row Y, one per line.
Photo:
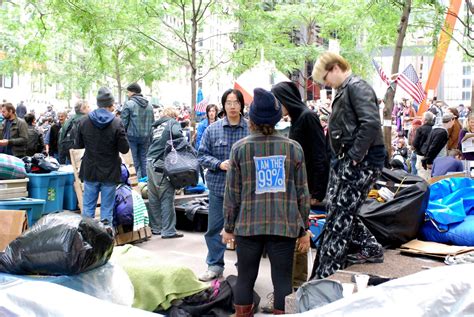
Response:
column 121, row 237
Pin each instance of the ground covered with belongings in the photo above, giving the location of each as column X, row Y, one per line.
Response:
column 159, row 275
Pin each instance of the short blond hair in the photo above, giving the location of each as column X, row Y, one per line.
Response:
column 326, row 62
column 170, row 112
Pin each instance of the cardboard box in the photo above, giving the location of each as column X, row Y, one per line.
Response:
column 12, row 224
column 433, row 249
column 122, row 238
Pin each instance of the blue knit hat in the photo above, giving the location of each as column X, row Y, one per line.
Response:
column 265, row 108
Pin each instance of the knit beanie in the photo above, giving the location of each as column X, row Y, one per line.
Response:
column 135, row 88
column 265, row 108
column 104, row 98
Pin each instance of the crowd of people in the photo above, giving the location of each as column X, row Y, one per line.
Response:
column 261, row 184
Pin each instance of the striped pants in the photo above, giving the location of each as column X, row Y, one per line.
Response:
column 344, row 232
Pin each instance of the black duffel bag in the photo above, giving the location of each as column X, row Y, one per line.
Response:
column 398, row 221
column 58, row 244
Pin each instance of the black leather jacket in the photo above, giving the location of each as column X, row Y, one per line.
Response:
column 354, row 126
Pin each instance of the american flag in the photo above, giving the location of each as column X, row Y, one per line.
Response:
column 408, row 80
column 201, row 106
column 381, row 72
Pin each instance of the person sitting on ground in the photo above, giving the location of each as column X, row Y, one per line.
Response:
column 448, row 164
column 262, row 211
column 35, row 139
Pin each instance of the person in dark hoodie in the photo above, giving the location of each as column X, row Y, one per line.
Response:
column 359, row 153
column 307, row 130
column 102, row 135
column 160, row 190
column 137, row 117
column 420, row 142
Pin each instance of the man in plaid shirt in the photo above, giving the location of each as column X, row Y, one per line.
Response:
column 213, row 155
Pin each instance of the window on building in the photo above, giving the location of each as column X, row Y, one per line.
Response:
column 466, row 83
column 466, row 70
column 466, row 95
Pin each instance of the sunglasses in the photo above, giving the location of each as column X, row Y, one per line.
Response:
column 327, row 73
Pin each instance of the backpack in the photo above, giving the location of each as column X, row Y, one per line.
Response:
column 67, row 142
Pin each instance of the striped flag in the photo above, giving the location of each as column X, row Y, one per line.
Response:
column 408, row 80
column 201, row 106
column 381, row 72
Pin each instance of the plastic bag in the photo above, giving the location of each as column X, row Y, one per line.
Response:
column 58, row 244
column 39, row 163
column 108, row 282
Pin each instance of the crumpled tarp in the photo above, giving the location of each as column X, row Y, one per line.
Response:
column 441, row 291
column 450, row 213
column 451, row 200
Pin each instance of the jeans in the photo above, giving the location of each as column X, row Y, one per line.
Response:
column 107, row 199
column 161, row 199
column 249, row 251
column 215, row 223
column 139, row 148
column 413, row 159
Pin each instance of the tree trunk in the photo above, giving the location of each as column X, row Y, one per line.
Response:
column 193, row 68
column 390, row 94
column 118, row 77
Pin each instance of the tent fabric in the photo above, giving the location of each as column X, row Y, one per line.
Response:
column 263, row 75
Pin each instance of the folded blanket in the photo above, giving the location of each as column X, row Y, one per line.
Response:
column 156, row 285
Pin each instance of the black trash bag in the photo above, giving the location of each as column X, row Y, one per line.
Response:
column 398, row 221
column 43, row 164
column 58, row 244
column 28, row 160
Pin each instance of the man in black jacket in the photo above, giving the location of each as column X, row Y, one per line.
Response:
column 13, row 132
column 103, row 137
column 356, row 141
column 436, row 143
column 420, row 144
column 307, row 130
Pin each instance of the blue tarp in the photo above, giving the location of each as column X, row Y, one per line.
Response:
column 449, row 210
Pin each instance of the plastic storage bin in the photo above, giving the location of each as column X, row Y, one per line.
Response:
column 70, row 198
column 49, row 187
column 34, row 207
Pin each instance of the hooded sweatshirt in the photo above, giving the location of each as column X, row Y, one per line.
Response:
column 137, row 117
column 307, row 130
column 101, row 118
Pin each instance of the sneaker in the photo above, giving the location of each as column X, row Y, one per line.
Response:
column 268, row 307
column 359, row 258
column 176, row 235
column 209, row 276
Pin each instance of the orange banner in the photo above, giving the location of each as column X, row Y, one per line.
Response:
column 443, row 44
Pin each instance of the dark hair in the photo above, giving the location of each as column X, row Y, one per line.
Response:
column 9, row 107
column 240, row 98
column 29, row 118
column 209, row 107
column 265, row 129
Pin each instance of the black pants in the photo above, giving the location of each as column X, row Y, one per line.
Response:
column 344, row 231
column 249, row 251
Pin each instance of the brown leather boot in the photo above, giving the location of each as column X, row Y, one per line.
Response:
column 243, row 310
column 278, row 312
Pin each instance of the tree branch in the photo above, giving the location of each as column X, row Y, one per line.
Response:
column 162, row 45
column 470, row 54
column 212, row 68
